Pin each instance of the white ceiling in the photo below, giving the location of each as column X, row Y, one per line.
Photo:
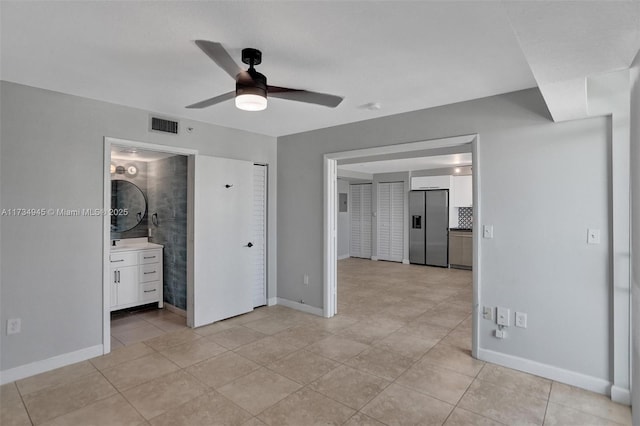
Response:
column 403, row 55
column 409, row 164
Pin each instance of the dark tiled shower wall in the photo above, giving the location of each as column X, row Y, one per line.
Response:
column 465, row 217
column 140, row 180
column 167, row 186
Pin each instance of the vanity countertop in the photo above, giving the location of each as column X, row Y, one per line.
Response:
column 135, row 246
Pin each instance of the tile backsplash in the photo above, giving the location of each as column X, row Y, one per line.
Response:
column 465, row 217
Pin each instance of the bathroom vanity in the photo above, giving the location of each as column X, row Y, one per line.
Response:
column 136, row 273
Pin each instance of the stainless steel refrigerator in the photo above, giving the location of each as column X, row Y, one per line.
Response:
column 429, row 232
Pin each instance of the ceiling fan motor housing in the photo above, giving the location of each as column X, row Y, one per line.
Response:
column 252, row 84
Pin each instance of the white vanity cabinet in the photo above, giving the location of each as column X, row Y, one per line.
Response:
column 136, row 277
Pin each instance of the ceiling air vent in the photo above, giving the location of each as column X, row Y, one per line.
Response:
column 164, row 125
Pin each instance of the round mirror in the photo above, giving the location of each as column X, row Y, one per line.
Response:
column 128, row 205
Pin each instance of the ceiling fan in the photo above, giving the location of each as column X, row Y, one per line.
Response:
column 251, row 86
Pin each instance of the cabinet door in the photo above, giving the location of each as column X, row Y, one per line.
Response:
column 467, row 250
column 462, row 191
column 455, row 248
column 127, row 286
column 430, row 182
column 114, row 287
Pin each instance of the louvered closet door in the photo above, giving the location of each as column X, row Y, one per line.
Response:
column 391, row 221
column 365, row 222
column 360, row 220
column 259, row 235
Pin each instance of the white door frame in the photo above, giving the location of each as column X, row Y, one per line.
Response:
column 106, row 223
column 330, row 166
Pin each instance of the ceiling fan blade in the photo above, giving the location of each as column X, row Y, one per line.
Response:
column 220, row 56
column 324, row 99
column 213, row 101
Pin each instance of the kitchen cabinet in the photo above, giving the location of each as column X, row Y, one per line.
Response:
column 461, row 249
column 430, row 182
column 136, row 278
column 462, row 191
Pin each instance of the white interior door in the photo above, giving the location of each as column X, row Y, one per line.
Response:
column 259, row 235
column 360, row 220
column 222, row 231
column 365, row 222
column 391, row 221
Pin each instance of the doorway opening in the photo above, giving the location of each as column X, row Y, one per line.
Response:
column 146, row 235
column 159, row 242
column 389, row 215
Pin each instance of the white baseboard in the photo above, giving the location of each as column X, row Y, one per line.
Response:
column 343, row 256
column 272, row 301
column 374, row 257
column 572, row 378
column 169, row 307
column 405, row 261
column 620, row 395
column 37, row 367
column 300, row 306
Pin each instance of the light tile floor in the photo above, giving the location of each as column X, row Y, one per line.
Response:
column 398, row 353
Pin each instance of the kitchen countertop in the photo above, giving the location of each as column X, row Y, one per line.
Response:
column 461, row 229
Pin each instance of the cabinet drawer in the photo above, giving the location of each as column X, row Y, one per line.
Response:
column 149, row 256
column 150, row 272
column 150, row 292
column 127, row 258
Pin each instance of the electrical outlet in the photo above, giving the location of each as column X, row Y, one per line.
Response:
column 502, row 317
column 521, row 320
column 306, row 279
column 487, row 313
column 13, row 326
column 501, row 334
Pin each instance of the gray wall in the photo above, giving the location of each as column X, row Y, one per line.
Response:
column 541, row 185
column 52, row 155
column 635, row 238
column 168, row 201
column 344, row 222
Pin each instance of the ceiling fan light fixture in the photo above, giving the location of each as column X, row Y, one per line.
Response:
column 251, row 86
column 251, row 102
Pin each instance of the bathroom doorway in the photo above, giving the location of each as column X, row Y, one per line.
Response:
column 148, row 235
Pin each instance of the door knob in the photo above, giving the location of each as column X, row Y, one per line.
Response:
column 250, row 245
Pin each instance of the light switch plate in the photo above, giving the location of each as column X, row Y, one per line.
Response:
column 593, row 236
column 487, row 231
column 487, row 313
column 13, row 326
column 502, row 318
